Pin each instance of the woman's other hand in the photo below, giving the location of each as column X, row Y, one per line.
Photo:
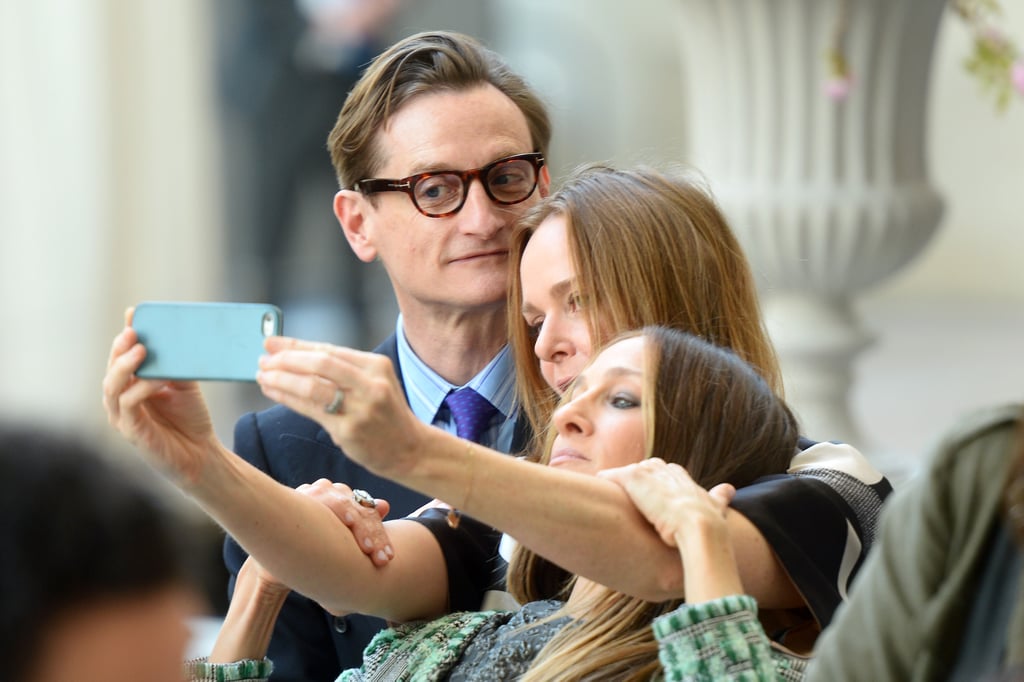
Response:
column 361, row 516
column 671, row 500
column 689, row 517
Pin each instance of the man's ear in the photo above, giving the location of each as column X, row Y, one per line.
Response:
column 544, row 181
column 350, row 208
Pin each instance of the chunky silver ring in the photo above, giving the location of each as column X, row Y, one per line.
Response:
column 335, row 405
column 364, row 499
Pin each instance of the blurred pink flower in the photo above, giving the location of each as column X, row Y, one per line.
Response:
column 1017, row 75
column 838, row 88
column 993, row 36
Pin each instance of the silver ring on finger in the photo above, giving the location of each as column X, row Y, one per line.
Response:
column 364, row 499
column 334, row 407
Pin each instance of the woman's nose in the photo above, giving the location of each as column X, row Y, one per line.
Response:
column 551, row 346
column 569, row 418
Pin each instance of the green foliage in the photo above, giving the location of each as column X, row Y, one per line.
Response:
column 991, row 63
column 992, row 60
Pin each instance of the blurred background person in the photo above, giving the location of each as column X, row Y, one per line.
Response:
column 94, row 584
column 283, row 71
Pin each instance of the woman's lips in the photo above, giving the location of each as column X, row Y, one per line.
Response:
column 564, row 455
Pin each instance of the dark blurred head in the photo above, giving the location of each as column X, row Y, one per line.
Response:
column 91, row 554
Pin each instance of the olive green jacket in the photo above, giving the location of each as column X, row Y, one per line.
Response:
column 910, row 601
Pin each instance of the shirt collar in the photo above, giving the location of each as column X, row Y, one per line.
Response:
column 426, row 389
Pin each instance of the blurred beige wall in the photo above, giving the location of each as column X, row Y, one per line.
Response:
column 109, row 190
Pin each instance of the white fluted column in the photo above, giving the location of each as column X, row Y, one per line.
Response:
column 828, row 198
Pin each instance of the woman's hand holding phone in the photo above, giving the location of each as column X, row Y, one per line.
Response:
column 168, row 420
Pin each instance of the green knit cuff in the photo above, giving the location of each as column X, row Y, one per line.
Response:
column 249, row 670
column 688, row 615
column 715, row 640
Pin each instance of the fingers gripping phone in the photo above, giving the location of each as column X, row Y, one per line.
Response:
column 203, row 341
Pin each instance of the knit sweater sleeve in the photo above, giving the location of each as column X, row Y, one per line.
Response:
column 721, row 640
column 250, row 670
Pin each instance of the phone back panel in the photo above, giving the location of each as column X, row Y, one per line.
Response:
column 204, row 341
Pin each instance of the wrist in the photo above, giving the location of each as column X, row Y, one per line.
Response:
column 211, row 468
column 440, row 467
column 709, row 563
column 261, row 585
column 698, row 533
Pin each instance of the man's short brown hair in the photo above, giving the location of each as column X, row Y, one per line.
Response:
column 423, row 63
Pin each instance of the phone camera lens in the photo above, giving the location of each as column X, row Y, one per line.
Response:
column 268, row 324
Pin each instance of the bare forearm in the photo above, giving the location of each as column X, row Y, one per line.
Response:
column 296, row 538
column 585, row 524
column 250, row 619
column 301, row 542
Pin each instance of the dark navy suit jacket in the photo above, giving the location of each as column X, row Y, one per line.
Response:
column 309, row 644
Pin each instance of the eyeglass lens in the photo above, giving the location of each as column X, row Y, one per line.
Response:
column 506, row 182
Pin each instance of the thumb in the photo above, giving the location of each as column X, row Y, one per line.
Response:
column 723, row 493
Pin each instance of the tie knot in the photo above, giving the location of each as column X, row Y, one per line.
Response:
column 471, row 411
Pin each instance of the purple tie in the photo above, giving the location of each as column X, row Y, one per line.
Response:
column 471, row 411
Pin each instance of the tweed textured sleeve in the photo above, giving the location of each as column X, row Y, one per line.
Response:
column 721, row 640
column 249, row 670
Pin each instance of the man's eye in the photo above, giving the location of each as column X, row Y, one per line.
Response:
column 437, row 189
column 507, row 178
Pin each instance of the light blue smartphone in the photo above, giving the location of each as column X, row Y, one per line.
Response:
column 204, row 341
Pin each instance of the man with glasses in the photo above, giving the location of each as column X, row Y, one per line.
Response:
column 438, row 149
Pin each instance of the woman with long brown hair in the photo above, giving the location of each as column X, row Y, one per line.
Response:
column 618, row 249
column 658, row 390
column 651, row 241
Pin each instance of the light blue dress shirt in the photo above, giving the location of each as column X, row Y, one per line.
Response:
column 426, row 391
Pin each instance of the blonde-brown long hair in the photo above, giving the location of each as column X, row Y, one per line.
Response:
column 649, row 247
column 705, row 409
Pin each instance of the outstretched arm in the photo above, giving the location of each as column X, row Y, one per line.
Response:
column 569, row 518
column 296, row 538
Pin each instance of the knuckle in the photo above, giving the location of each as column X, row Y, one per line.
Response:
column 322, row 363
